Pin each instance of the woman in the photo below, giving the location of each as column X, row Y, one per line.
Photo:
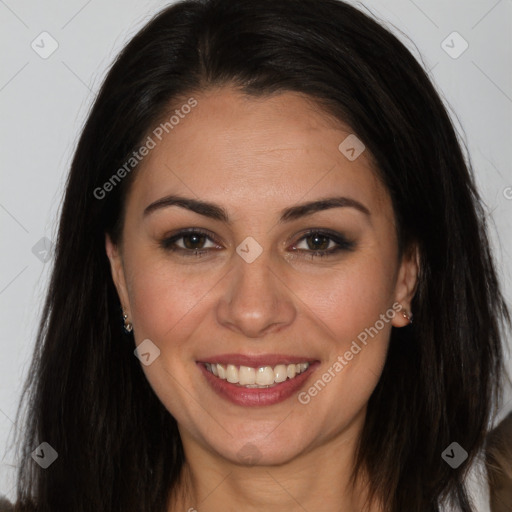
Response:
column 263, row 196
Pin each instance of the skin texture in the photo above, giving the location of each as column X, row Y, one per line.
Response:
column 255, row 157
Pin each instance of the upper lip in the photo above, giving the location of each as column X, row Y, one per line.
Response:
column 255, row 361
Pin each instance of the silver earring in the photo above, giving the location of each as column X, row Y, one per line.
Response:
column 128, row 327
column 406, row 316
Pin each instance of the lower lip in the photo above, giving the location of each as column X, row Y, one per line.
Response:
column 240, row 395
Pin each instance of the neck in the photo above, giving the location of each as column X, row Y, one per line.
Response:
column 318, row 477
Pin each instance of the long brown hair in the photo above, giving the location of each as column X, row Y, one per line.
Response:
column 118, row 447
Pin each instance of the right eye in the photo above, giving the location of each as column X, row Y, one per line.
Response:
column 193, row 242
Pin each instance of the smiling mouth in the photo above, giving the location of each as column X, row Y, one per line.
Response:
column 260, row 377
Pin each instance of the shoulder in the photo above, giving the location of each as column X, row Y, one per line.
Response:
column 499, row 456
column 489, row 481
column 476, row 486
column 6, row 505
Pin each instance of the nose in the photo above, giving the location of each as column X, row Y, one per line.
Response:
column 256, row 301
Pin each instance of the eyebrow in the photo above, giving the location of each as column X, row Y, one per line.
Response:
column 216, row 212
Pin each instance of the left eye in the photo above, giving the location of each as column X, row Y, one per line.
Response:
column 318, row 244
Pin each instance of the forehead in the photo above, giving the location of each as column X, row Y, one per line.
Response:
column 241, row 150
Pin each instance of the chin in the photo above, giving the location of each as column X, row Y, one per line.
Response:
column 261, row 449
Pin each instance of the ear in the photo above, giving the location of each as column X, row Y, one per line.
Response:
column 117, row 269
column 406, row 284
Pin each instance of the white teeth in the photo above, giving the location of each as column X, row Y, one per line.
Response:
column 280, row 373
column 246, row 375
column 232, row 374
column 263, row 376
column 222, row 371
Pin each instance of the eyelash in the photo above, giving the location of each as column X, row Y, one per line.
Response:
column 342, row 243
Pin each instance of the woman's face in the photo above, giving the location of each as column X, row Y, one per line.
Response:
column 255, row 297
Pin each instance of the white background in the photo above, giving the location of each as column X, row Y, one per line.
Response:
column 44, row 103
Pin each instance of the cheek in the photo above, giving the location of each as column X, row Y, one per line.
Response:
column 166, row 308
column 162, row 298
column 348, row 306
column 351, row 297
